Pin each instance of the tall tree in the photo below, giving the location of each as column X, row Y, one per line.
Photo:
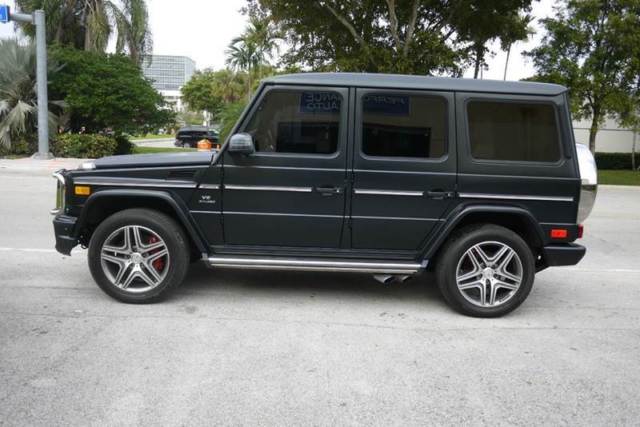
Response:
column 593, row 47
column 263, row 37
column 106, row 91
column 89, row 24
column 253, row 49
column 479, row 23
column 242, row 55
column 399, row 36
column 209, row 90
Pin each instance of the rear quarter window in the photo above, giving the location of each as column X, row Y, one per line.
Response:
column 513, row 131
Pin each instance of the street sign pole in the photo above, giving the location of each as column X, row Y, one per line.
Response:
column 38, row 19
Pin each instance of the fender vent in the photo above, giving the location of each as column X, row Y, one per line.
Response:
column 183, row 175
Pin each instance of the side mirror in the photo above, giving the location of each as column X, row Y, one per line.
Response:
column 241, row 143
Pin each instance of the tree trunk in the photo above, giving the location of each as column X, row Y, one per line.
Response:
column 593, row 131
column 479, row 57
column 476, row 71
column 633, row 149
column 506, row 62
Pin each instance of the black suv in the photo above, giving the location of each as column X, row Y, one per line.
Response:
column 189, row 136
column 384, row 174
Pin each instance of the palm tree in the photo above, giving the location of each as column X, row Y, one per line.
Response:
column 242, row 55
column 251, row 50
column 261, row 34
column 18, row 97
column 89, row 24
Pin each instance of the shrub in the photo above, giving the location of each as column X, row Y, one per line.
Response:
column 84, row 146
column 616, row 161
column 21, row 147
column 124, row 145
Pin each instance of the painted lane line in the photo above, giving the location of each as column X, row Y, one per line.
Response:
column 35, row 250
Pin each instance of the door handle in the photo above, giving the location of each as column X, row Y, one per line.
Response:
column 439, row 194
column 326, row 190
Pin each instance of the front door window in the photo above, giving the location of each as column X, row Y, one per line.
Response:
column 291, row 191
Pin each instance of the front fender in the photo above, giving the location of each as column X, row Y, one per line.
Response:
column 177, row 205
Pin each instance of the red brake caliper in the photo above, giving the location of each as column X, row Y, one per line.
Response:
column 159, row 263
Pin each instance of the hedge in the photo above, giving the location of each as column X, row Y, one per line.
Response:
column 617, row 161
column 84, row 146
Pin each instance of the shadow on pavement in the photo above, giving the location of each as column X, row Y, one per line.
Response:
column 201, row 279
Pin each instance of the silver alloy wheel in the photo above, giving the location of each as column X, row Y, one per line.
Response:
column 135, row 258
column 489, row 274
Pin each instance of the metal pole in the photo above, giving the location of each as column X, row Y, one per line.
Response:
column 41, row 78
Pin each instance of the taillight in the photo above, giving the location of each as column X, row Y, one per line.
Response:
column 559, row 233
column 580, row 231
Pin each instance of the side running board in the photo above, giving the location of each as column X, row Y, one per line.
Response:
column 315, row 265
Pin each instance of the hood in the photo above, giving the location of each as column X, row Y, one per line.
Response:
column 155, row 160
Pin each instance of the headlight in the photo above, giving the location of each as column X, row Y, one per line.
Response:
column 589, row 181
column 60, row 193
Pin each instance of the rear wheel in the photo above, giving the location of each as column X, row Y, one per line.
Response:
column 136, row 255
column 485, row 271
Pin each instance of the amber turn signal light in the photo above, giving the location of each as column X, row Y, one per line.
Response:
column 559, row 233
column 82, row 190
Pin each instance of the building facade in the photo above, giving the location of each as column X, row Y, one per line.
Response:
column 168, row 74
column 611, row 138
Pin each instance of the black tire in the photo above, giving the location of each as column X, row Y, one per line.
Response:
column 456, row 247
column 166, row 228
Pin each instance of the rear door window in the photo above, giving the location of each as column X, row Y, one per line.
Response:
column 404, row 125
column 513, row 131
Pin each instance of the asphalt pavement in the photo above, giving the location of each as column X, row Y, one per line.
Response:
column 274, row 348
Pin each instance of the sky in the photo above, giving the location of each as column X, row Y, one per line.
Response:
column 202, row 30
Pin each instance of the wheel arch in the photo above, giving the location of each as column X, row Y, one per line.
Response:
column 515, row 218
column 105, row 203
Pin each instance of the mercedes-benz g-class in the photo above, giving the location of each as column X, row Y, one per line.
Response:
column 479, row 181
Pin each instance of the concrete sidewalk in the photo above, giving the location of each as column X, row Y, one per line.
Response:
column 39, row 166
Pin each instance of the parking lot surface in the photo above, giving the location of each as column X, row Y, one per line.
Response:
column 248, row 348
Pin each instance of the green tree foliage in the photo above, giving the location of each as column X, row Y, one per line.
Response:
column 210, row 90
column 105, row 92
column 18, row 97
column 593, row 47
column 89, row 24
column 397, row 36
column 229, row 115
column 251, row 51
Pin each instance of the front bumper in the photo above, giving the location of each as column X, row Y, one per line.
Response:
column 63, row 227
column 565, row 254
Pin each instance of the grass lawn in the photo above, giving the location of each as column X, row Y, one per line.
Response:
column 618, row 177
column 151, row 136
column 151, row 150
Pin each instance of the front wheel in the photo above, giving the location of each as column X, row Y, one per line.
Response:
column 136, row 255
column 485, row 271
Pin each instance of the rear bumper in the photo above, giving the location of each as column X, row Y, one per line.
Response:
column 565, row 254
column 63, row 227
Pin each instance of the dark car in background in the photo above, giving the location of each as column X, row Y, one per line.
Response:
column 188, row 136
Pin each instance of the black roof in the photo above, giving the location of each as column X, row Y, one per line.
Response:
column 195, row 128
column 400, row 81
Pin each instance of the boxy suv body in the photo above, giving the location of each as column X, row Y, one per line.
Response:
column 479, row 181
